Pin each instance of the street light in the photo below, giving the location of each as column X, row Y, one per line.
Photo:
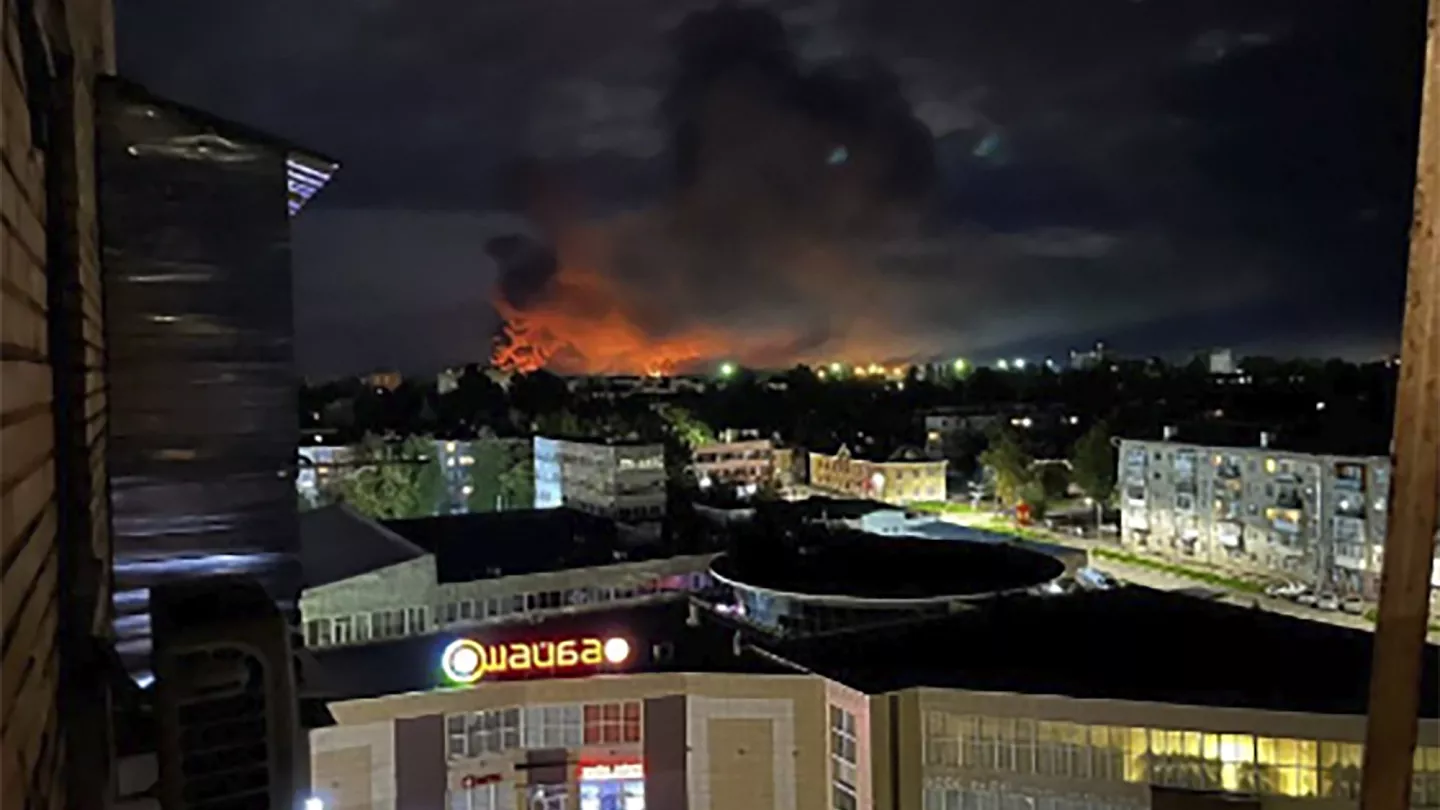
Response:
column 727, row 370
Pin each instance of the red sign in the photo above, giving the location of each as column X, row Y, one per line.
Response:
column 472, row 781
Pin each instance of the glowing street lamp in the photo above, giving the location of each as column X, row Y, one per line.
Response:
column 1003, row 365
column 960, row 365
column 727, row 370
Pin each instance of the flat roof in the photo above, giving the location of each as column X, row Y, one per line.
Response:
column 337, row 543
column 488, row 545
column 1130, row 644
column 661, row 637
column 816, row 561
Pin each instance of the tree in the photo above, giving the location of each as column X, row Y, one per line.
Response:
column 395, row 479
column 1092, row 463
column 685, row 427
column 502, row 477
column 1008, row 463
column 1034, row 495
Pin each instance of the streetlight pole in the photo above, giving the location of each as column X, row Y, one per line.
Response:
column 1415, row 494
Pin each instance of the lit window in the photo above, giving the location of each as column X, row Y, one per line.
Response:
column 612, row 722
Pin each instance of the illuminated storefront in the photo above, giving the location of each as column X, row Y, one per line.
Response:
column 612, row 786
column 603, row 721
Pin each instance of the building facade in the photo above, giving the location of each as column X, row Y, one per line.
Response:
column 1315, row 519
column 621, row 742
column 411, row 598
column 902, row 480
column 54, row 524
column 719, row 740
column 624, row 482
column 744, row 463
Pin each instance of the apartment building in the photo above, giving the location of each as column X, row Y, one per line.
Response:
column 678, row 707
column 746, row 462
column 906, row 477
column 54, row 522
column 368, row 583
column 1317, row 519
column 619, row 480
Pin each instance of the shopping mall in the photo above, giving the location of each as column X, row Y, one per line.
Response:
column 1001, row 700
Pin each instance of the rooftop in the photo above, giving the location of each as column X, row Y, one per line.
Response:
column 658, row 632
column 307, row 171
column 859, row 565
column 1356, row 440
column 1128, row 644
column 485, row 545
column 337, row 543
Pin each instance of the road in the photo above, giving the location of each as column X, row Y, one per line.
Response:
column 1164, row 581
column 1160, row 580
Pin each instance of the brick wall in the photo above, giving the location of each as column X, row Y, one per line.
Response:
column 54, row 545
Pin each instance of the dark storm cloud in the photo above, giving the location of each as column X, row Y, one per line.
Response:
column 1119, row 167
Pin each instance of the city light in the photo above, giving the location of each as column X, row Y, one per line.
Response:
column 1020, row 363
column 1003, row 365
column 960, row 365
column 727, row 370
column 836, row 368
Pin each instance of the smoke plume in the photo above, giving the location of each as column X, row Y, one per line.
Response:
column 789, row 183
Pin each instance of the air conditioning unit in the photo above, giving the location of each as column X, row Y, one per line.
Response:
column 226, row 712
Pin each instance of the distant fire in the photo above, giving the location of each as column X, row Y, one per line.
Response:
column 582, row 325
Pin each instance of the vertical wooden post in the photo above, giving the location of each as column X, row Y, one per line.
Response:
column 1415, row 496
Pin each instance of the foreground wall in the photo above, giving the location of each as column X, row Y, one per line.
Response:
column 54, row 540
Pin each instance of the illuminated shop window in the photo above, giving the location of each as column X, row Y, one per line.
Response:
column 618, row 786
column 1241, row 763
column 612, row 722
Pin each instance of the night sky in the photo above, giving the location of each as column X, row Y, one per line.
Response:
column 827, row 179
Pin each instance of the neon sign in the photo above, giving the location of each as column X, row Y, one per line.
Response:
column 611, row 773
column 466, row 660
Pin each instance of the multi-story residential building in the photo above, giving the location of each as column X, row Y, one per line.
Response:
column 945, row 427
column 368, row 583
column 624, row 481
column 1045, row 703
column 1317, row 519
column 55, row 591
column 905, row 478
column 738, row 460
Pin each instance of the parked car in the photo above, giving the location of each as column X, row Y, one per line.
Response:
column 1327, row 601
column 1306, row 597
column 1285, row 590
column 1353, row 604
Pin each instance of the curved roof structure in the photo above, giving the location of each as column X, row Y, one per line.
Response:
column 857, row 568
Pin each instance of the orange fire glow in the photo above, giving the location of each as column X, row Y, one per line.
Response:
column 583, row 326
